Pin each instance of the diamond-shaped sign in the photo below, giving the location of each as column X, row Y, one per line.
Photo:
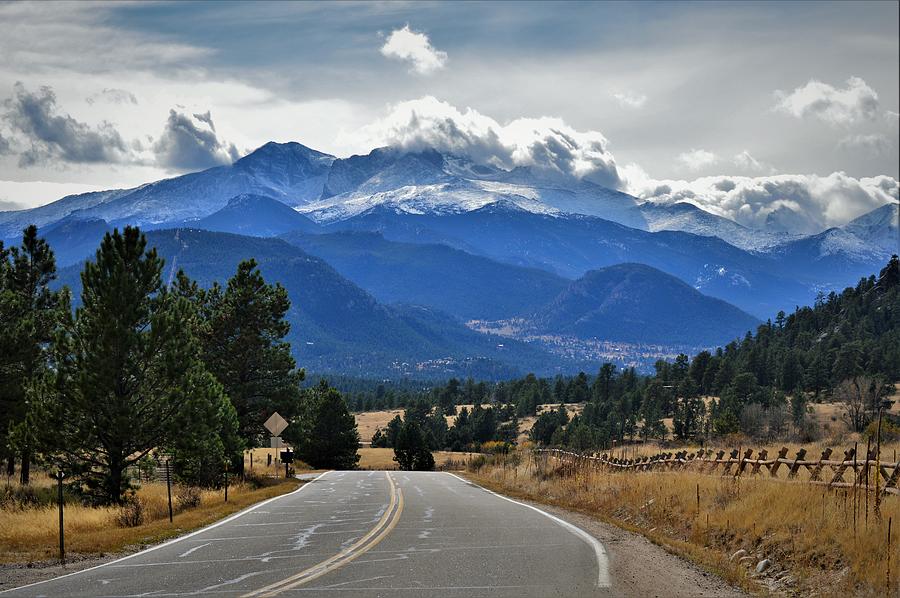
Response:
column 276, row 424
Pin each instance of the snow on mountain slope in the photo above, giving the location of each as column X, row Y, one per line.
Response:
column 686, row 217
column 289, row 172
column 879, row 228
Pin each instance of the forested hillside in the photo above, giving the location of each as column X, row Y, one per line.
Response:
column 844, row 348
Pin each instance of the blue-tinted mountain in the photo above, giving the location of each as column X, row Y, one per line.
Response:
column 337, row 326
column 256, row 216
column 634, row 303
column 576, row 244
column 879, row 228
column 451, row 280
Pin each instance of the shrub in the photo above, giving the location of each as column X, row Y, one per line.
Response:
column 187, row 497
column 889, row 430
column 131, row 514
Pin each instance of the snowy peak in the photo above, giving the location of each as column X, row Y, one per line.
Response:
column 880, row 227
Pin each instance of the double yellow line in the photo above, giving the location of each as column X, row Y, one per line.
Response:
column 384, row 526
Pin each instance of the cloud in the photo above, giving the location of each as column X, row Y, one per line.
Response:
column 7, row 205
column 875, row 144
column 5, row 147
column 892, row 118
column 630, row 99
column 190, row 142
column 49, row 134
column 747, row 162
column 415, row 48
column 791, row 202
column 856, row 102
column 113, row 96
column 697, row 159
column 545, row 143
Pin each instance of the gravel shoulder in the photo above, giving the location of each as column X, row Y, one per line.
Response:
column 641, row 569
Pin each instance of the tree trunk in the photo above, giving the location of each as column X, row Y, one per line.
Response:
column 25, row 469
column 10, row 465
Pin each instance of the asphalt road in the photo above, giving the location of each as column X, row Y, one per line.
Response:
column 363, row 534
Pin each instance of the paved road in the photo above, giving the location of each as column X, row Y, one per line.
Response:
column 363, row 534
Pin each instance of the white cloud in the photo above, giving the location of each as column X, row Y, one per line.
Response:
column 746, row 161
column 697, row 159
column 415, row 48
column 630, row 99
column 835, row 106
column 874, row 144
column 793, row 202
column 546, row 143
column 893, row 118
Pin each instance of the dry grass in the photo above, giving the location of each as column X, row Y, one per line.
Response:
column 383, row 458
column 28, row 535
column 276, row 469
column 808, row 531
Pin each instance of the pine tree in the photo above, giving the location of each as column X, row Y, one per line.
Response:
column 411, row 450
column 325, row 433
column 30, row 313
column 245, row 350
column 123, row 367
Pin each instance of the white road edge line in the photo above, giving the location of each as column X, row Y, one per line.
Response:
column 173, row 540
column 603, row 580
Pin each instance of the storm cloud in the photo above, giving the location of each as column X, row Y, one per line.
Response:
column 190, row 142
column 48, row 134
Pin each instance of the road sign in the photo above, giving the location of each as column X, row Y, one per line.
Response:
column 276, row 424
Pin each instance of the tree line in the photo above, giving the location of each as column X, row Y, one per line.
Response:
column 845, row 347
column 143, row 366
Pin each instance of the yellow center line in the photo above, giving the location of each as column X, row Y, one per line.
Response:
column 385, row 524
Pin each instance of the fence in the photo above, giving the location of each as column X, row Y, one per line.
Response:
column 868, row 474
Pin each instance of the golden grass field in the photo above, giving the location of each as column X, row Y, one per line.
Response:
column 383, row 458
column 820, row 536
column 369, row 421
column 31, row 534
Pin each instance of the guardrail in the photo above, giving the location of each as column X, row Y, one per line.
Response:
column 868, row 473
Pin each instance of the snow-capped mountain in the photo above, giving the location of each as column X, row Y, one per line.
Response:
column 689, row 218
column 879, row 228
column 289, row 172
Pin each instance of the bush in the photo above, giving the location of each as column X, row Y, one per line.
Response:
column 131, row 514
column 187, row 497
column 889, row 430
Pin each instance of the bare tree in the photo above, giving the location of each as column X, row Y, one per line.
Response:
column 860, row 397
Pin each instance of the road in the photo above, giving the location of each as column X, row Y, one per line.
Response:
column 366, row 534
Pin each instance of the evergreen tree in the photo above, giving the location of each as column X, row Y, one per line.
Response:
column 325, row 433
column 245, row 350
column 29, row 315
column 123, row 368
column 411, row 450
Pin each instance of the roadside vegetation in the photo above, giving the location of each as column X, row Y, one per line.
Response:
column 29, row 520
column 805, row 540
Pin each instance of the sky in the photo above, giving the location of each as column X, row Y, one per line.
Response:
column 772, row 114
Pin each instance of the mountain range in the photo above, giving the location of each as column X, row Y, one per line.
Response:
column 417, row 243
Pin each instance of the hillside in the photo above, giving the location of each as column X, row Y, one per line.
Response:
column 635, row 303
column 454, row 281
column 256, row 216
column 337, row 326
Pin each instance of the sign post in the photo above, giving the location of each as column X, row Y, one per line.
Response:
column 276, row 425
column 62, row 538
column 169, row 485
